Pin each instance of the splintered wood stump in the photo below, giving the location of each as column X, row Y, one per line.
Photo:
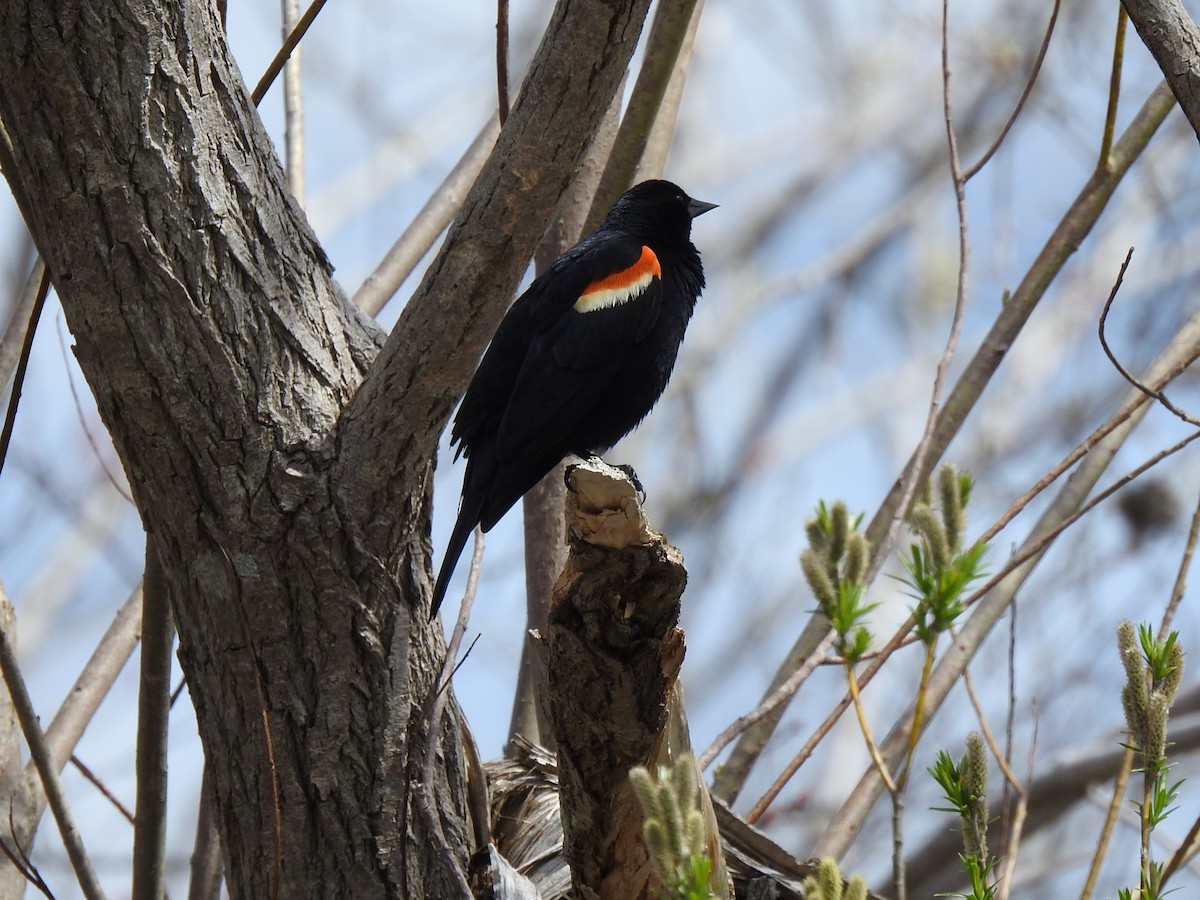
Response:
column 613, row 654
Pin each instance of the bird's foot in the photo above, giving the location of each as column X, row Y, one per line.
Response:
column 637, row 482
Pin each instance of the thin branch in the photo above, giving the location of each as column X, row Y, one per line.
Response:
column 154, row 690
column 663, row 46
column 502, row 58
column 293, row 106
column 48, row 772
column 293, row 39
column 431, row 221
column 18, row 381
column 1155, row 394
column 94, row 682
column 997, row 754
column 1016, row 828
column 19, row 857
column 1029, row 83
column 1185, row 565
column 662, row 132
column 99, row 785
column 1114, row 87
column 13, row 338
column 205, row 882
column 768, row 705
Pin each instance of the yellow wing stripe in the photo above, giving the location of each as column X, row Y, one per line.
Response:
column 619, row 287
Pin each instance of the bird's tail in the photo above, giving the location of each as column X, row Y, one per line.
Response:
column 468, row 517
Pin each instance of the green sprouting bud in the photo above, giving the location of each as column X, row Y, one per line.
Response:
column 818, row 579
column 1170, row 682
column 839, row 519
column 829, row 878
column 856, row 889
column 685, row 780
column 953, row 514
column 672, row 817
column 854, row 565
column 658, row 846
column 1153, row 744
column 1135, row 696
column 974, row 783
column 694, row 833
column 933, row 535
column 1127, row 646
column 646, row 790
column 924, row 494
column 1137, row 716
column 975, row 770
column 818, row 540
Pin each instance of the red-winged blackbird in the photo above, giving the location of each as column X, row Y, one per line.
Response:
column 580, row 358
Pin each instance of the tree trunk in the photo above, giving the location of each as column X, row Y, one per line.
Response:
column 280, row 452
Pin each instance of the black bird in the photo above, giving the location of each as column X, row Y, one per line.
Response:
column 580, row 358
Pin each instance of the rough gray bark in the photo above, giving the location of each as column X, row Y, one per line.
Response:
column 279, row 450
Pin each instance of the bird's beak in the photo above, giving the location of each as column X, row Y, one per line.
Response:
column 699, row 207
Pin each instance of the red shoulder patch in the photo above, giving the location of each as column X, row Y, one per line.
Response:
column 621, row 286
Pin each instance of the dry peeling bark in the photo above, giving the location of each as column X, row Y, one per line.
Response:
column 279, row 449
column 613, row 652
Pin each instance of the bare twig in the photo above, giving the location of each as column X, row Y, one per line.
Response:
column 205, row 882
column 1029, row 83
column 19, row 857
column 293, row 106
column 154, row 689
column 14, row 398
column 663, row 45
column 502, row 58
column 48, row 772
column 433, row 218
column 95, row 680
column 94, row 780
column 1114, row 88
column 1016, row 828
column 1149, row 392
column 18, row 323
column 293, row 39
column 768, row 705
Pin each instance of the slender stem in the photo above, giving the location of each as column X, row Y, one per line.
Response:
column 1120, row 783
column 1114, row 89
column 55, row 795
column 502, row 58
column 14, row 399
column 918, row 720
column 402, row 257
column 205, row 883
column 872, row 747
column 293, row 39
column 154, row 698
column 1029, row 83
column 18, row 323
column 899, row 878
column 293, row 106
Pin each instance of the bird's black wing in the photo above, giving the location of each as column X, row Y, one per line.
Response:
column 593, row 309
